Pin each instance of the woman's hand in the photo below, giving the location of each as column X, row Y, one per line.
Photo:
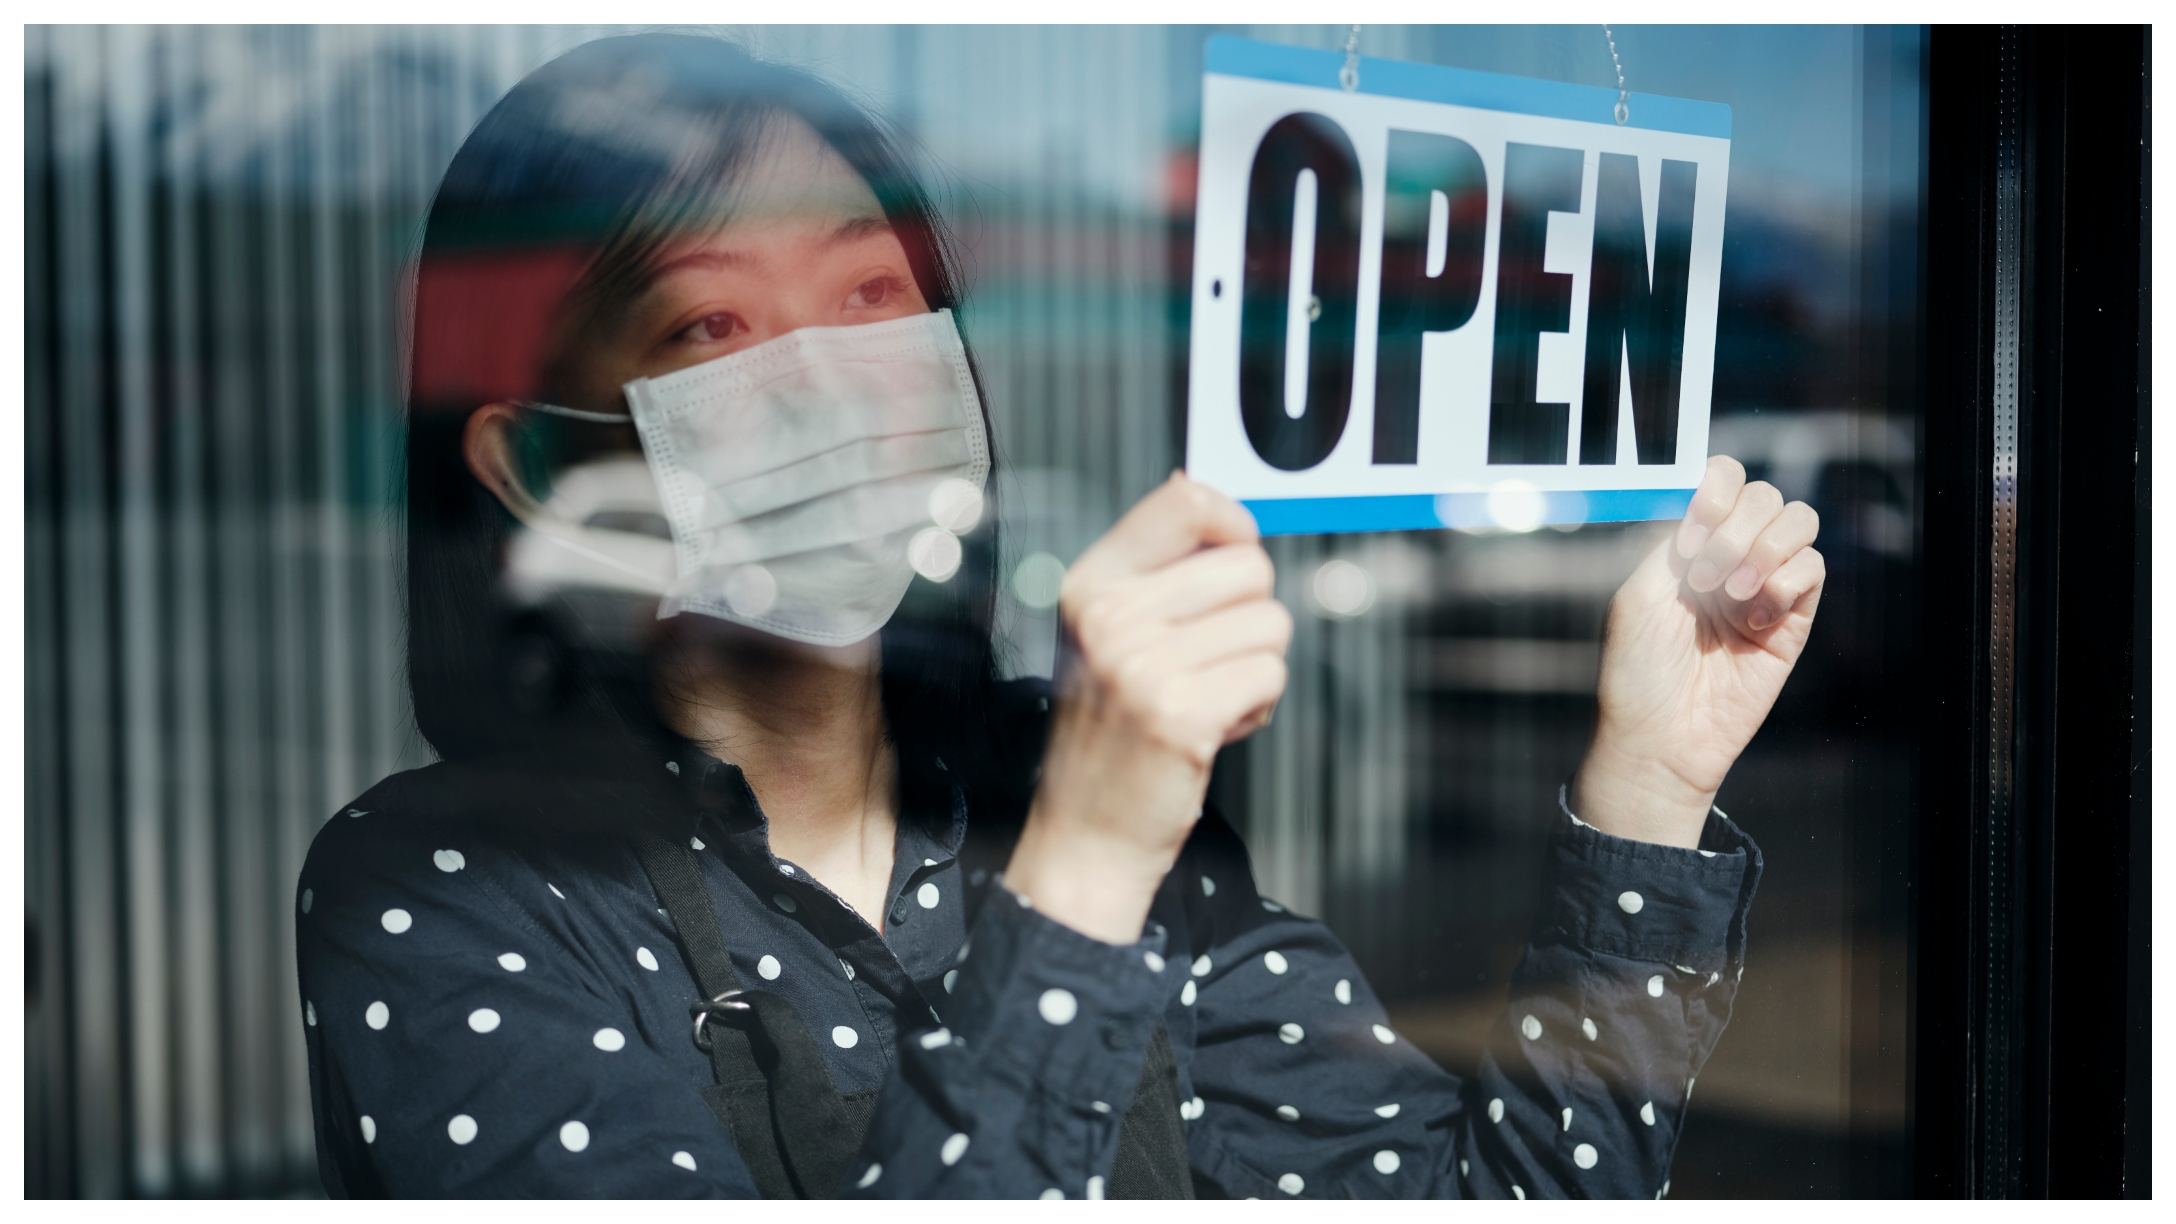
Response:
column 1697, row 644
column 1174, row 648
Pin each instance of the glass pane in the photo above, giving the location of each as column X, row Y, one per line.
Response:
column 222, row 229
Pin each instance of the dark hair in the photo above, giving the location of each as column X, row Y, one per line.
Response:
column 548, row 210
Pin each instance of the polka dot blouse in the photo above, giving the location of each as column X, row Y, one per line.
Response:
column 491, row 1013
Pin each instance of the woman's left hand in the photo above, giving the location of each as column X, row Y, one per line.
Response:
column 1697, row 644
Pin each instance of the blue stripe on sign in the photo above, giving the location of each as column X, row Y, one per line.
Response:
column 1419, row 512
column 1243, row 57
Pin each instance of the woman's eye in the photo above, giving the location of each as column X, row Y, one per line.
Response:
column 877, row 291
column 711, row 328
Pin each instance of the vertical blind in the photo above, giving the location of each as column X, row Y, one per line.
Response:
column 217, row 225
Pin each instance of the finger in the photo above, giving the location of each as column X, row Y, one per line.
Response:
column 1793, row 529
column 1711, row 504
column 1194, row 586
column 1758, row 505
column 1245, row 689
column 1179, row 517
column 1795, row 588
column 1260, row 625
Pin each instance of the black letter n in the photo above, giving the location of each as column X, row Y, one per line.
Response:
column 1627, row 314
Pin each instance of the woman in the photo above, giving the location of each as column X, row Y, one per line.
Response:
column 937, row 935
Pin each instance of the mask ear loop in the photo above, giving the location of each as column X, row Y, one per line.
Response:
column 556, row 531
column 577, row 414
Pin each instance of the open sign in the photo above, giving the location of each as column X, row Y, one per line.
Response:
column 1449, row 298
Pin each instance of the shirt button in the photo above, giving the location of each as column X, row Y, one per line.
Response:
column 899, row 911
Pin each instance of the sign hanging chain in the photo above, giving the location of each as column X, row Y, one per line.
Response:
column 1349, row 75
column 1624, row 96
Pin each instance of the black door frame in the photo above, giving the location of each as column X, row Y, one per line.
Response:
column 2031, row 974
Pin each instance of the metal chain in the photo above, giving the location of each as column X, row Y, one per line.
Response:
column 1349, row 75
column 1624, row 96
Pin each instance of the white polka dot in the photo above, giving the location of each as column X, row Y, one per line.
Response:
column 1647, row 1113
column 574, row 1136
column 684, row 1160
column 1154, row 962
column 1291, row 1034
column 1462, row 1169
column 1531, row 1027
column 1187, row 993
column 1688, row 1090
column 1517, row 1192
column 1387, row 1111
column 1208, row 887
column 849, row 970
column 1567, row 1117
column 845, row 1037
column 1051, row 1195
column 951, row 979
column 1496, row 1110
column 768, row 969
column 1275, row 962
column 1584, row 1155
column 396, row 920
column 929, row 862
column 512, row 962
column 936, row 1039
column 462, row 1129
column 786, row 868
column 1387, row 1162
column 1343, row 991
column 1291, row 1183
column 370, row 1129
column 672, row 767
column 1192, row 1109
column 1100, row 1106
column 354, row 812
column 953, row 1149
column 309, row 1013
column 1707, row 854
column 784, row 902
column 555, row 891
column 647, row 959
column 695, row 843
column 1631, row 902
column 1202, row 966
column 1058, row 1006
column 960, row 957
column 1714, row 978
column 483, row 1020
column 610, row 1040
column 868, row 1179
column 376, row 1015
column 1272, row 906
column 1586, row 1025
column 1385, row 1036
column 1665, row 1187
column 1095, row 1188
column 1022, row 898
column 307, row 898
column 449, row 861
column 1654, row 986
column 927, row 896
column 1288, row 1113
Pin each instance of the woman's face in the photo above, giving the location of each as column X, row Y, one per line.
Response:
column 808, row 247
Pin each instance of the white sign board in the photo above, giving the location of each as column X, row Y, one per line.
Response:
column 1449, row 298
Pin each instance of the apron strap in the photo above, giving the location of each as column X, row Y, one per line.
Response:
column 773, row 1093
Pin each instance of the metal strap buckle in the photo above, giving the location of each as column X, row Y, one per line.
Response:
column 729, row 1001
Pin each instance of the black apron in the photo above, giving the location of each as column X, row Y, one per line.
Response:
column 796, row 1132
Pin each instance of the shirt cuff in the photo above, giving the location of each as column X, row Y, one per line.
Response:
column 1067, row 1011
column 1648, row 901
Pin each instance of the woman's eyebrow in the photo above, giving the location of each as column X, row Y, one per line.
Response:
column 858, row 228
column 713, row 258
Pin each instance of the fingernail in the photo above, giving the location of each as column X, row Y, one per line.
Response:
column 1760, row 618
column 1703, row 576
column 1744, row 580
column 1691, row 540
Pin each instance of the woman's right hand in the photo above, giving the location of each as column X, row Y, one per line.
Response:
column 1174, row 646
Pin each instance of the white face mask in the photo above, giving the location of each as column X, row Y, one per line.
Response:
column 796, row 474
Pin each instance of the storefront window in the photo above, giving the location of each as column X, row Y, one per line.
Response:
column 220, row 222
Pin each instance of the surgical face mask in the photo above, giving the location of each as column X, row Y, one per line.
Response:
column 797, row 476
